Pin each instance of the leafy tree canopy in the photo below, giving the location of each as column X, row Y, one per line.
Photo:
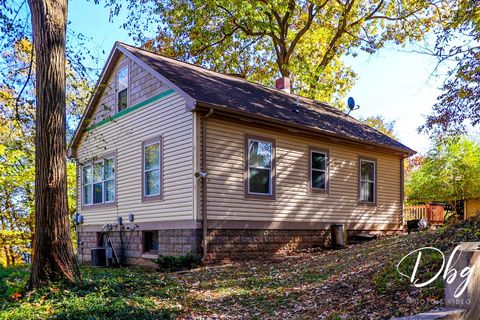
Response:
column 262, row 40
column 458, row 41
column 381, row 124
column 448, row 172
column 17, row 148
column 17, row 66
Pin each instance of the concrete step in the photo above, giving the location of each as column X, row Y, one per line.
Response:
column 444, row 313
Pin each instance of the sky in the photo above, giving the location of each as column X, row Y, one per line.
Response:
column 400, row 86
column 395, row 83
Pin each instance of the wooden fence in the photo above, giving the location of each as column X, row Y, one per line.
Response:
column 432, row 212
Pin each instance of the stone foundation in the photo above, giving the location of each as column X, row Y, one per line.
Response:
column 171, row 242
column 223, row 244
column 237, row 244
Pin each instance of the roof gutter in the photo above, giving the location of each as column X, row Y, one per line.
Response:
column 256, row 118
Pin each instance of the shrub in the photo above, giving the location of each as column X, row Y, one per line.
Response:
column 177, row 263
column 103, row 294
column 12, row 280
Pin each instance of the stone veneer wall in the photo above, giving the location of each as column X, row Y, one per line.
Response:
column 233, row 244
column 223, row 244
column 171, row 242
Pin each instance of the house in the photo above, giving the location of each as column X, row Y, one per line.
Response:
column 199, row 159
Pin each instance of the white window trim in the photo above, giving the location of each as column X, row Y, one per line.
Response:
column 93, row 182
column 318, row 170
column 150, row 170
column 270, row 187
column 369, row 181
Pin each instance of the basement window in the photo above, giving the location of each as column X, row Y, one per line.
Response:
column 150, row 241
column 122, row 88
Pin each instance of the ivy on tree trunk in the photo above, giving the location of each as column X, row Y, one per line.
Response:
column 53, row 255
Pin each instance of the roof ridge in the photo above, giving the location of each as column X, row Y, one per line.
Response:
column 323, row 104
column 340, row 122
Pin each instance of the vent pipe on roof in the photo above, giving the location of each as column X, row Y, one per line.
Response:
column 283, row 84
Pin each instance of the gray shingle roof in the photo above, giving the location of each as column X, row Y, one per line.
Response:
column 238, row 94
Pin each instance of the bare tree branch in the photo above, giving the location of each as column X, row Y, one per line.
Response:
column 302, row 31
column 213, row 44
column 332, row 46
column 17, row 100
column 370, row 15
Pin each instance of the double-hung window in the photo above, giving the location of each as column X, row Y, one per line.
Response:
column 87, row 185
column 98, row 180
column 109, row 180
column 367, row 181
column 318, row 170
column 122, row 88
column 152, row 175
column 260, row 167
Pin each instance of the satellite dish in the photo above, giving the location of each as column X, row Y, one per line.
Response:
column 351, row 105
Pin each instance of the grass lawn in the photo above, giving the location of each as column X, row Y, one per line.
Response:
column 359, row 282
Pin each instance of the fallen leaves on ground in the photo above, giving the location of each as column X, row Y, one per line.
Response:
column 323, row 284
column 358, row 282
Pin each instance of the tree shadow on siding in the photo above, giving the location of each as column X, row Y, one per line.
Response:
column 294, row 202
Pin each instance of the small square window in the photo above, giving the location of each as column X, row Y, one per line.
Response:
column 150, row 241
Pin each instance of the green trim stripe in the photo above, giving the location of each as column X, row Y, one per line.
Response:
column 131, row 109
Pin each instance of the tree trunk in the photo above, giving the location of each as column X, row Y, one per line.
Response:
column 7, row 257
column 5, row 247
column 53, row 256
column 12, row 256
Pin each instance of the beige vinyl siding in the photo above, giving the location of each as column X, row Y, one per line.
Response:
column 293, row 203
column 106, row 105
column 166, row 117
column 143, row 84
